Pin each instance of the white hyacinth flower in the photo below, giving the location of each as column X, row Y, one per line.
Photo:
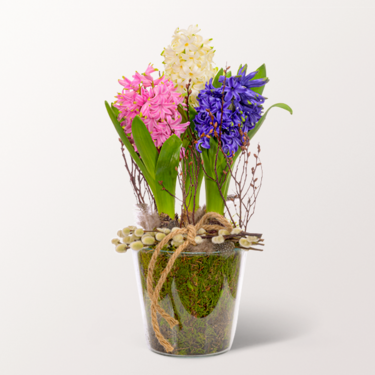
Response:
column 137, row 245
column 189, row 56
column 218, row 239
column 223, row 232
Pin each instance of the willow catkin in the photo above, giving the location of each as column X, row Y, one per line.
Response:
column 137, row 245
column 218, row 239
column 245, row 243
column 122, row 248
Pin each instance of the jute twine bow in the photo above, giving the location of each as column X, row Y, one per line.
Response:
column 191, row 232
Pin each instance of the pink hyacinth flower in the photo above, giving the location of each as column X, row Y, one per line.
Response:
column 155, row 101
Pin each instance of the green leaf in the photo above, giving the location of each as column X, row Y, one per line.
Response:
column 216, row 82
column 261, row 74
column 214, row 201
column 253, row 131
column 126, row 141
column 183, row 114
column 192, row 114
column 145, row 145
column 115, row 110
column 229, row 74
column 166, row 172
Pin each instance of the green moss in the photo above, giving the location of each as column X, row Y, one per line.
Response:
column 200, row 292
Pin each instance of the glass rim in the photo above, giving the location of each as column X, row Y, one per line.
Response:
column 237, row 249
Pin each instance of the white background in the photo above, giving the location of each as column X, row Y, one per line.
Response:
column 68, row 302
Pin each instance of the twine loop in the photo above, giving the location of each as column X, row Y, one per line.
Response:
column 191, row 232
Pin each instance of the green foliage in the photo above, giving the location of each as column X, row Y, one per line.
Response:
column 188, row 144
column 154, row 166
column 200, row 292
column 261, row 74
column 126, row 141
column 253, row 131
column 216, row 82
column 214, row 199
column 145, row 145
column 166, row 171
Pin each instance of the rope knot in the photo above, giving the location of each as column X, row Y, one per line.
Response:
column 191, row 234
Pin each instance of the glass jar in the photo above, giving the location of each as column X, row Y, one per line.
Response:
column 202, row 292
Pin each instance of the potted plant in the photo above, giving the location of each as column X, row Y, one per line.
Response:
column 191, row 123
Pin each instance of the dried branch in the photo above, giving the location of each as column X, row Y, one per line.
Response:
column 141, row 189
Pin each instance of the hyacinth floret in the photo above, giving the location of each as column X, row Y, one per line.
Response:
column 155, row 101
column 239, row 112
column 189, row 57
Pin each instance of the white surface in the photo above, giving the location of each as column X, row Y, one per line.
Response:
column 69, row 303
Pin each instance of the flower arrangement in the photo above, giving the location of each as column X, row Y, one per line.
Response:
column 193, row 122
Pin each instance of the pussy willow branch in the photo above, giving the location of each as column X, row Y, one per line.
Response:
column 140, row 186
column 246, row 207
